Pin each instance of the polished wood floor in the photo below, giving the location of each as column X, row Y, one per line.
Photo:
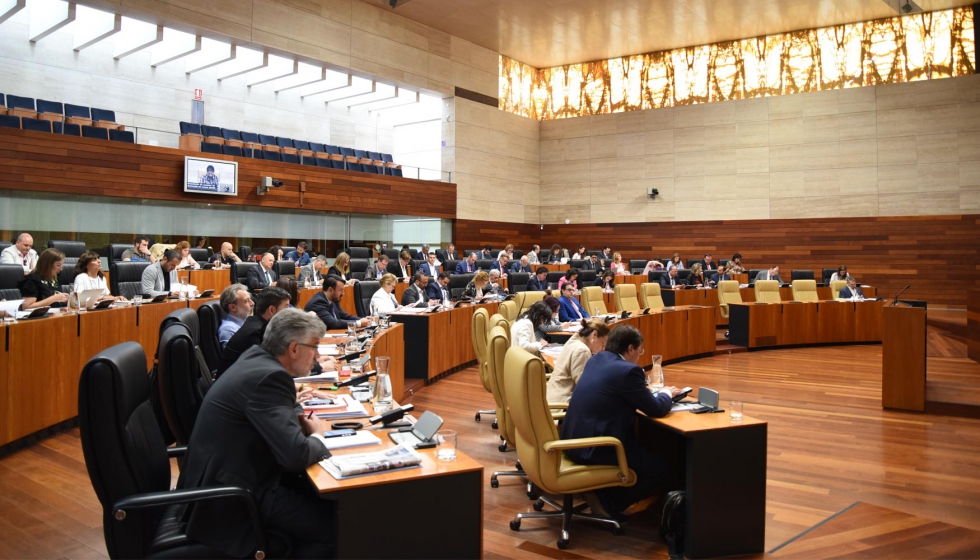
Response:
column 830, row 445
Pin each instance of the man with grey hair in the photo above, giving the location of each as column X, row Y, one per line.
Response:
column 250, row 432
column 268, row 302
column 311, row 272
column 237, row 305
column 21, row 253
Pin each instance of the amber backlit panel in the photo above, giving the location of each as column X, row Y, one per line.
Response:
column 903, row 49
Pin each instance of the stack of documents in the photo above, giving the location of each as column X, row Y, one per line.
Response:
column 344, row 466
column 351, row 409
column 362, row 437
column 325, row 377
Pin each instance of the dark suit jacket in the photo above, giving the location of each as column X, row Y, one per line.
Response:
column 589, row 265
column 665, row 281
column 762, row 276
column 706, row 267
column 332, row 315
column 372, row 272
column 256, row 278
column 413, row 295
column 553, row 258
column 464, row 268
column 566, row 309
column 452, row 255
column 395, row 267
column 249, row 335
column 247, row 435
column 604, row 403
column 430, row 270
column 534, row 285
column 845, row 293
column 516, row 267
column 434, row 291
column 495, row 265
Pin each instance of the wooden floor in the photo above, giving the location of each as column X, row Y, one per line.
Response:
column 830, row 445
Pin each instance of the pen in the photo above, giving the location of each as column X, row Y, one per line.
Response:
column 310, row 415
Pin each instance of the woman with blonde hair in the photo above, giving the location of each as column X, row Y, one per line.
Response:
column 479, row 286
column 341, row 268
column 697, row 275
column 383, row 301
column 571, row 362
column 186, row 260
column 617, row 266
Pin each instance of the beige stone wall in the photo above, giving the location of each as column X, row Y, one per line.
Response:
column 895, row 150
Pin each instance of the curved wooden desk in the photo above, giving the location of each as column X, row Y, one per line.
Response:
column 764, row 325
column 440, row 342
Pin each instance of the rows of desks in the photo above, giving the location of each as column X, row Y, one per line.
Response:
column 758, row 325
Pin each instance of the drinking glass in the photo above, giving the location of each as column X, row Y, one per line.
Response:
column 735, row 409
column 351, row 329
column 446, row 450
column 655, row 378
column 138, row 300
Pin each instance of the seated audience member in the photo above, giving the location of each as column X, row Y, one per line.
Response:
column 250, row 432
column 451, row 253
column 736, row 261
column 607, row 252
column 272, row 300
column 675, row 261
column 140, row 251
column 523, row 265
column 430, row 268
column 610, row 390
column 40, row 288
column 655, row 264
column 478, row 287
column 500, row 265
column 574, row 355
column 237, row 304
column 592, row 263
column 262, row 276
column 709, row 264
column 670, row 280
column 438, row 289
column 21, row 252
column 416, row 290
column 187, row 262
column 570, row 277
column 341, row 267
column 607, row 280
column 89, row 276
column 326, row 305
column 580, row 254
column 487, row 252
column 224, row 258
column 841, row 274
column 618, row 267
column 160, row 278
column 423, row 253
column 201, row 242
column 299, row 255
column 851, row 290
column 508, row 250
column 378, row 269
column 276, row 252
column 311, row 272
column 552, row 324
column 291, row 286
column 722, row 275
column 771, row 274
column 571, row 309
column 538, row 282
column 555, row 256
column 523, row 331
column 467, row 266
column 495, row 286
column 383, row 300
column 697, row 276
column 401, row 269
column 532, row 256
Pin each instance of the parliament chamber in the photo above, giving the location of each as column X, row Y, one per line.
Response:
column 773, row 205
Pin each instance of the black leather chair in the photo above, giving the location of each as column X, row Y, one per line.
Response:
column 484, row 264
column 755, row 272
column 244, row 252
column 518, row 253
column 458, row 282
column 554, row 276
column 363, row 291
column 606, row 263
column 654, row 275
column 442, row 255
column 183, row 375
column 723, row 262
column 578, row 263
column 66, row 278
column 416, row 256
column 359, row 252
column 284, row 268
column 468, row 251
column 637, row 266
column 129, row 466
column 209, row 317
column 827, row 273
column 450, row 266
column 126, row 279
column 690, row 262
column 392, row 253
column 114, row 252
column 358, row 267
column 200, row 255
column 72, row 249
column 517, row 281
column 590, row 253
column 586, row 278
column 239, row 272
column 4, row 245
column 10, row 276
column 802, row 275
column 683, row 276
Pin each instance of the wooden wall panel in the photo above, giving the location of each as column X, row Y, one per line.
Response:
column 938, row 255
column 54, row 163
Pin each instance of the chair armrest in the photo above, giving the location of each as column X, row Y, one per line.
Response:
column 561, row 405
column 601, row 441
column 177, row 451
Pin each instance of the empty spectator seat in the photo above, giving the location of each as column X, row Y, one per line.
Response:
column 307, row 160
column 50, row 110
column 67, row 129
column 285, row 145
column 71, row 249
column 332, row 149
column 387, row 158
column 319, row 150
column 105, row 119
column 393, row 169
column 337, row 161
column 210, row 148
column 270, row 155
column 212, row 134
column 268, row 143
column 303, row 148
column 3, row 103
column 251, row 141
column 190, row 137
column 118, row 135
column 76, row 114
column 21, row 106
column 289, row 158
column 232, row 137
column 95, row 132
column 320, row 162
column 351, row 159
column 231, row 150
column 39, row 125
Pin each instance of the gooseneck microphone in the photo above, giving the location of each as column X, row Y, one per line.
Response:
column 895, row 301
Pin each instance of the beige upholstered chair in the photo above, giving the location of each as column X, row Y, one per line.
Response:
column 540, row 449
column 509, row 309
column 625, row 297
column 728, row 292
column 499, row 320
column 805, row 290
column 835, row 287
column 480, row 328
column 650, row 296
column 529, row 299
column 592, row 298
column 498, row 341
column 767, row 291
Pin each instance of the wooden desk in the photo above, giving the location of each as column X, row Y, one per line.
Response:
column 556, row 267
column 391, row 343
column 441, row 342
column 786, row 293
column 758, row 325
column 973, row 324
column 216, row 280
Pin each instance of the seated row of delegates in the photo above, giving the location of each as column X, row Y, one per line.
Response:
column 40, row 288
column 383, row 300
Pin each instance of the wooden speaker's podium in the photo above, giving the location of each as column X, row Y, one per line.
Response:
column 903, row 356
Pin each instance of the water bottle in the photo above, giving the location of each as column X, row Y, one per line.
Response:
column 655, row 379
column 382, row 386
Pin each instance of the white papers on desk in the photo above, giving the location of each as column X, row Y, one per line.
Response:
column 411, row 310
column 684, row 406
column 353, row 409
column 743, row 285
column 362, row 437
column 187, row 288
column 328, row 350
column 552, row 350
column 335, row 335
column 325, row 377
column 11, row 306
column 573, row 328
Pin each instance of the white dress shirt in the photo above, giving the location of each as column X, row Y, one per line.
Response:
column 85, row 282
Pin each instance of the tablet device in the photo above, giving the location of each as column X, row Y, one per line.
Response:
column 159, row 298
column 206, row 293
column 37, row 312
column 104, row 304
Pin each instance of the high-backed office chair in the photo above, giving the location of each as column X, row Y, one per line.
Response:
column 802, row 275
column 114, row 251
column 450, row 266
column 753, row 273
column 650, row 296
column 126, row 279
column 529, row 298
column 72, row 249
column 200, row 254
column 498, row 320
column 244, row 252
column 805, row 290
column 478, row 334
column 540, row 449
column 284, row 268
column 625, row 297
column 457, row 283
column 826, row 273
column 358, row 268
column 728, row 292
column 637, row 266
column 690, row 262
column 129, row 466
column 484, row 264
column 497, row 344
column 10, row 276
column 836, row 286
column 392, row 253
column 586, row 278
column 4, row 244
column 183, row 375
column 239, row 272
column 363, row 292
column 767, row 291
column 66, row 278
column 517, row 281
column 592, row 299
column 209, row 317
column 554, row 277
column 509, row 310
column 654, row 276
column 359, row 252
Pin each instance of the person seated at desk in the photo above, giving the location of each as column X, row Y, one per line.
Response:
column 160, row 278
column 187, row 262
column 697, row 276
column 383, row 300
column 262, row 276
column 416, row 290
column 852, row 290
column 423, row 253
column 570, row 308
column 467, row 266
column 299, row 255
column 736, row 262
column 21, row 253
column 341, row 267
column 201, row 242
column 494, row 286
column 487, row 252
column 401, row 269
column 771, row 274
column 508, row 250
column 291, row 286
column 500, row 265
column 570, row 277
column 655, row 264
column 675, row 262
column 722, row 275
column 478, row 286
column 88, row 276
column 709, row 264
column 581, row 254
column 378, row 269
column 311, row 272
column 618, row 266
column 140, row 251
column 40, row 288
column 555, row 256
column 574, row 355
column 451, row 253
column 607, row 280
column 250, row 432
column 224, row 258
column 538, row 282
column 670, row 281
column 523, row 265
column 523, row 333
column 276, row 252
column 438, row 289
column 841, row 274
column 610, row 390
column 592, row 263
column 532, row 256
column 270, row 301
column 606, row 253
column 237, row 304
column 430, row 268
column 553, row 324
column 326, row 305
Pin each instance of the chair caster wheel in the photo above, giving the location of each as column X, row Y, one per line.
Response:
column 502, row 447
column 562, row 544
column 518, row 466
column 494, row 483
column 538, row 505
column 532, row 495
column 477, row 416
column 618, row 531
column 515, row 525
column 494, row 425
column 727, row 333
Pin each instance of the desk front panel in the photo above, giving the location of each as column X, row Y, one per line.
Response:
column 103, row 329
column 799, row 324
column 756, row 325
column 4, row 376
column 216, row 280
column 835, row 322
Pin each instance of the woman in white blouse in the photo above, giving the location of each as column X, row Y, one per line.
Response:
column 187, row 262
column 576, row 352
column 522, row 331
column 841, row 274
column 383, row 301
column 88, row 276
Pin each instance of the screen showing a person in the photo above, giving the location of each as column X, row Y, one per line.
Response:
column 210, row 176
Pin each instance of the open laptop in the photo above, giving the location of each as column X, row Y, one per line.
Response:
column 420, row 433
column 89, row 296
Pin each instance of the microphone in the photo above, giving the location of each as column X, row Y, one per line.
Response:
column 895, row 301
column 356, row 380
column 392, row 415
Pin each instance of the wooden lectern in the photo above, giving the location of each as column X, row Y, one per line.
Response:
column 903, row 357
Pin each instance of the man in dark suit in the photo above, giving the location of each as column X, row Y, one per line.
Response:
column 451, row 253
column 670, row 280
column 592, row 263
column 438, row 289
column 709, row 263
column 852, row 289
column 262, row 276
column 771, row 274
column 538, row 282
column 416, row 290
column 250, row 432
column 500, row 265
column 378, row 269
column 430, row 268
column 522, row 265
column 326, row 305
column 468, row 266
column 268, row 302
column 608, row 394
column 401, row 267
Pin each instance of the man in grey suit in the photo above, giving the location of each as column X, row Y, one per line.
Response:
column 160, row 278
column 378, row 269
column 262, row 276
column 311, row 272
column 251, row 432
column 771, row 274
column 416, row 291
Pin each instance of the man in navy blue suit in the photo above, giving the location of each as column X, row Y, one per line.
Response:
column 521, row 265
column 612, row 388
column 852, row 289
column 538, row 282
column 500, row 265
column 468, row 266
column 429, row 268
column 438, row 289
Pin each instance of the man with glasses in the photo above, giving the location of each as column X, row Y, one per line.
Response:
column 268, row 302
column 570, row 309
column 237, row 304
column 612, row 388
column 21, row 253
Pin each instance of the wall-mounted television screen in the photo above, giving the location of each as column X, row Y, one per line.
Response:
column 210, row 176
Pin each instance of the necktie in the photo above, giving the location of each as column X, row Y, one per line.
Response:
column 268, row 278
column 671, row 282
